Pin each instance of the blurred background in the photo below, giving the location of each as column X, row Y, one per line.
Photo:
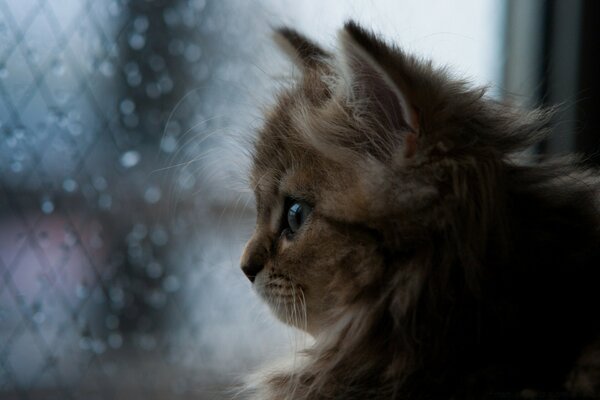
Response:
column 123, row 151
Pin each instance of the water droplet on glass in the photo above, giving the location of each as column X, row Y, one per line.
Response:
column 147, row 342
column 98, row 346
column 84, row 343
column 199, row 4
column 139, row 231
column 99, row 183
column 130, row 158
column 115, row 340
column 159, row 236
column 106, row 68
column 134, row 79
column 16, row 167
column 116, row 295
column 39, row 317
column 137, row 41
column 185, row 180
column 141, row 23
column 58, row 67
column 3, row 71
column 127, row 106
column 154, row 270
column 157, row 63
column 70, row 239
column 152, row 195
column 131, row 120
column 75, row 128
column 176, row 47
column 96, row 241
column 171, row 17
column 112, row 321
column 153, row 90
column 165, row 83
column 47, row 206
column 105, row 201
column 171, row 284
column 69, row 185
column 81, row 291
column 192, row 53
column 168, row 144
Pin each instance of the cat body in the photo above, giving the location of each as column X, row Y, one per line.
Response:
column 396, row 226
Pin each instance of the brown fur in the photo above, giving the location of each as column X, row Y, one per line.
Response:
column 433, row 264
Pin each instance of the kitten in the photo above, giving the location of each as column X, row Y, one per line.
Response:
column 395, row 226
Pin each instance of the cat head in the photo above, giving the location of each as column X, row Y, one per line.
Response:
column 358, row 167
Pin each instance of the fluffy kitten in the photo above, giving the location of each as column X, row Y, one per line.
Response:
column 395, row 226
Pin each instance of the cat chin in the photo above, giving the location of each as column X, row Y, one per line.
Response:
column 284, row 298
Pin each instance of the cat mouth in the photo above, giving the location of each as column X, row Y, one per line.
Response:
column 285, row 297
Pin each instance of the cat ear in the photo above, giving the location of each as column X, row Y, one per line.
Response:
column 369, row 84
column 303, row 51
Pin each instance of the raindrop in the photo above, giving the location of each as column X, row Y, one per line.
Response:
column 192, row 53
column 47, row 206
column 98, row 346
column 139, row 231
column 112, row 321
column 116, row 295
column 171, row 284
column 58, row 67
column 127, row 106
column 168, row 144
column 134, row 79
column 99, row 183
column 96, row 242
column 157, row 63
column 105, row 201
column 114, row 8
column 199, row 4
column 16, row 167
column 39, row 317
column 176, row 47
column 19, row 132
column 165, row 83
column 186, row 180
column 159, row 236
column 152, row 195
column 153, row 91
column 171, row 17
column 137, row 41
column 130, row 158
column 81, row 291
column 3, row 71
column 115, row 340
column 84, row 343
column 69, row 185
column 157, row 299
column 75, row 128
column 147, row 342
column 107, row 68
column 70, row 239
column 131, row 121
column 141, row 23
column 154, row 270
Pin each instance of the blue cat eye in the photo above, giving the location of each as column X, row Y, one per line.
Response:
column 297, row 213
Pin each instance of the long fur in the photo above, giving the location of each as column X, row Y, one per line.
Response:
column 459, row 272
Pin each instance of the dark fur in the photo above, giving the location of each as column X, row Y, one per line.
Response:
column 487, row 288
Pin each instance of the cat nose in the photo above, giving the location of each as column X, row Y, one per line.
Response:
column 251, row 270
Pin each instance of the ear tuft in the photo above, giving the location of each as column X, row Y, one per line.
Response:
column 303, row 51
column 365, row 63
